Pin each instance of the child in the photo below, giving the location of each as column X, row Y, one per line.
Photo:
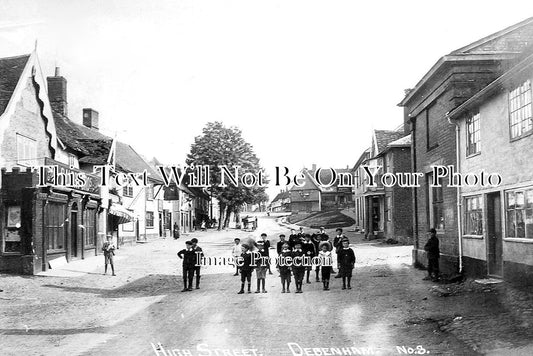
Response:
column 284, row 267
column 261, row 266
column 109, row 252
column 325, row 261
column 337, row 244
column 281, row 242
column 267, row 249
column 346, row 261
column 308, row 247
column 298, row 268
column 236, row 252
column 246, row 267
column 198, row 250
column 189, row 262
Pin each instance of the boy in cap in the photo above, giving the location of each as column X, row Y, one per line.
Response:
column 281, row 242
column 308, row 249
column 261, row 262
column 433, row 252
column 245, row 265
column 326, row 259
column 337, row 244
column 198, row 250
column 284, row 262
column 298, row 267
column 266, row 244
column 346, row 261
column 189, row 262
column 109, row 252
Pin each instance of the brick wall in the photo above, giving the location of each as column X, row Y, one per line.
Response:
column 401, row 198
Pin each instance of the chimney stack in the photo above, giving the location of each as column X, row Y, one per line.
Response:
column 313, row 167
column 90, row 118
column 57, row 93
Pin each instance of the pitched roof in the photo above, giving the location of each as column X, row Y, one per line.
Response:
column 504, row 44
column 93, row 147
column 281, row 195
column 402, row 142
column 384, row 137
column 11, row 69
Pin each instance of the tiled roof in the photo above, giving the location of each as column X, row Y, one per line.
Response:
column 93, row 147
column 404, row 141
column 384, row 137
column 11, row 69
column 281, row 196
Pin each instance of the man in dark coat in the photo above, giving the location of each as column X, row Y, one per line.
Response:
column 433, row 253
column 188, row 255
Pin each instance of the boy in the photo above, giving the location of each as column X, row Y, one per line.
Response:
column 267, row 250
column 337, row 244
column 293, row 239
column 298, row 267
column 316, row 241
column 281, row 242
column 245, row 267
column 346, row 261
column 261, row 262
column 198, row 250
column 326, row 259
column 189, row 262
column 433, row 253
column 109, row 252
column 284, row 267
column 308, row 249
column 236, row 252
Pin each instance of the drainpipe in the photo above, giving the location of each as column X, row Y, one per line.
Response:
column 459, row 201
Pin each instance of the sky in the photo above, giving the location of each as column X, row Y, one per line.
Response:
column 305, row 80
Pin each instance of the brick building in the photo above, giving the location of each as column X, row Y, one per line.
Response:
column 455, row 78
column 495, row 130
column 39, row 223
column 384, row 211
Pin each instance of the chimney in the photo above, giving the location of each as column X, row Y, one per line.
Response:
column 90, row 118
column 57, row 93
column 313, row 167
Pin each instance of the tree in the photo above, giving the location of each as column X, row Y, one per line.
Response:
column 220, row 145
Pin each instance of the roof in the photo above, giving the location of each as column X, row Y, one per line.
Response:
column 402, row 142
column 362, row 158
column 500, row 45
column 94, row 147
column 384, row 137
column 11, row 69
column 282, row 195
column 478, row 98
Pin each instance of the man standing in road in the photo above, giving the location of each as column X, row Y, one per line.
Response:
column 189, row 262
column 433, row 253
column 198, row 250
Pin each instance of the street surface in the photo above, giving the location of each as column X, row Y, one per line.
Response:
column 75, row 310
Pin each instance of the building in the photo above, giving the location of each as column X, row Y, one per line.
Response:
column 455, row 78
column 385, row 210
column 281, row 202
column 494, row 130
column 306, row 198
column 41, row 220
column 358, row 190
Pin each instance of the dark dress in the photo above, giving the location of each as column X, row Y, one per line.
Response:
column 346, row 261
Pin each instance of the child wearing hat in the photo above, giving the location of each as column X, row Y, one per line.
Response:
column 298, row 267
column 308, row 247
column 284, row 262
column 261, row 267
column 346, row 261
column 246, row 267
column 189, row 262
column 109, row 252
column 236, row 252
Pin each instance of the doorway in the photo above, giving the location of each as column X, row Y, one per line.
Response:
column 74, row 232
column 494, row 235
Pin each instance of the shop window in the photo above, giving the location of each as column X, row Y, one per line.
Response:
column 55, row 226
column 473, row 216
column 149, row 219
column 90, row 229
column 519, row 211
column 11, row 235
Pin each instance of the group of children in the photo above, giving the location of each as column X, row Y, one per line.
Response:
column 300, row 247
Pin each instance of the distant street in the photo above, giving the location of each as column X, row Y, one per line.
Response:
column 390, row 311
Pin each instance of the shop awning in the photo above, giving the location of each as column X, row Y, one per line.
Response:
column 122, row 214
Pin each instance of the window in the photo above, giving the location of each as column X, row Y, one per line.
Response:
column 519, row 209
column 431, row 130
column 127, row 191
column 150, row 192
column 90, row 230
column 435, row 204
column 520, row 110
column 12, row 238
column 472, row 135
column 473, row 216
column 72, row 160
column 26, row 151
column 388, row 207
column 149, row 219
column 55, row 226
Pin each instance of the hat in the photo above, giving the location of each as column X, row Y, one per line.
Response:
column 188, row 243
column 194, row 240
column 245, row 245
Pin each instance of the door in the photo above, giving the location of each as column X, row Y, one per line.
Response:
column 494, row 235
column 73, row 234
